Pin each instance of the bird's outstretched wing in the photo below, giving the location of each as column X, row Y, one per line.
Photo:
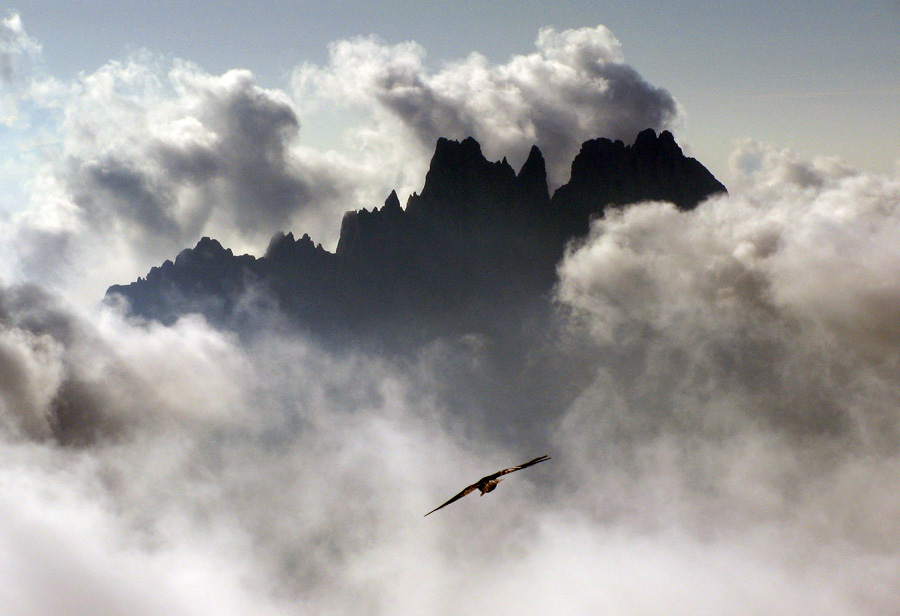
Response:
column 507, row 471
column 455, row 498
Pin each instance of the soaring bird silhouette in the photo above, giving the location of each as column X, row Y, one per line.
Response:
column 487, row 484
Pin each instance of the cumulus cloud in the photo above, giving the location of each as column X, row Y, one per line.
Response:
column 575, row 87
column 750, row 384
column 147, row 147
column 73, row 379
column 223, row 475
column 772, row 294
column 154, row 156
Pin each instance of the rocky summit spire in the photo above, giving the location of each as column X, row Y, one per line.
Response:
column 461, row 181
column 532, row 179
column 392, row 203
column 609, row 173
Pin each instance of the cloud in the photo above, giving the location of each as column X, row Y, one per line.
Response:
column 76, row 379
column 60, row 537
column 169, row 160
column 179, row 482
column 575, row 87
column 163, row 153
column 17, row 49
column 22, row 79
column 306, row 494
column 155, row 154
column 750, row 372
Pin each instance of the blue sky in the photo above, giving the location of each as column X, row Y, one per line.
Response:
column 822, row 78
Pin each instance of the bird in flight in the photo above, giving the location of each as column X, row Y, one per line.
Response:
column 487, row 484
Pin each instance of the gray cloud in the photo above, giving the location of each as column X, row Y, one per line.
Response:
column 749, row 373
column 170, row 160
column 74, row 379
column 575, row 87
column 155, row 154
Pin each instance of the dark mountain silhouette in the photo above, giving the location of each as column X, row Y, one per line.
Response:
column 611, row 173
column 475, row 252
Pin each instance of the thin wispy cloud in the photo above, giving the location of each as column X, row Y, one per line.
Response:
column 16, row 48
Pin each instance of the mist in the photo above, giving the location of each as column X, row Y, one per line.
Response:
column 725, row 437
column 734, row 450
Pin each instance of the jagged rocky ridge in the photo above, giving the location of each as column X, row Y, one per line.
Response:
column 476, row 251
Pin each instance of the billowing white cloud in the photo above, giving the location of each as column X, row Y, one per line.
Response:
column 575, row 87
column 154, row 156
column 751, row 372
column 75, row 379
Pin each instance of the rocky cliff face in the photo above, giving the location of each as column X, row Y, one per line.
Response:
column 474, row 252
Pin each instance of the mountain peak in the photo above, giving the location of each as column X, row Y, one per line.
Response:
column 460, row 179
column 283, row 247
column 645, row 139
column 648, row 143
column 532, row 178
column 609, row 172
column 392, row 203
column 207, row 249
